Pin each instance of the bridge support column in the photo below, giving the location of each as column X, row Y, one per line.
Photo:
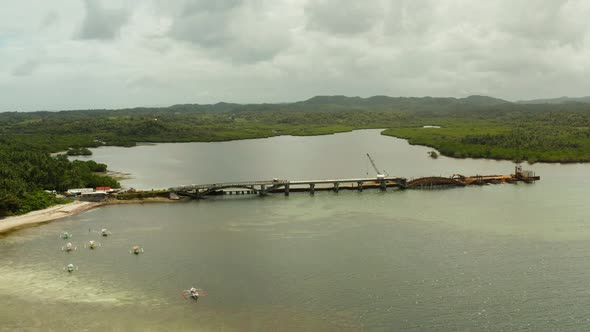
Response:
column 287, row 189
column 312, row 188
column 336, row 186
column 383, row 184
column 403, row 184
column 359, row 186
column 262, row 190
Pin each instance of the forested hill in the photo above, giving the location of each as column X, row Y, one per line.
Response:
column 560, row 100
column 473, row 103
column 317, row 103
column 401, row 103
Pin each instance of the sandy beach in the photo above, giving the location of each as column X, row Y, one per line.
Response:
column 55, row 212
column 10, row 224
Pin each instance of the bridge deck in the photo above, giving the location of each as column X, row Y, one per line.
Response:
column 266, row 186
column 353, row 180
column 270, row 183
column 229, row 185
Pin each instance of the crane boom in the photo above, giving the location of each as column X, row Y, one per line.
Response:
column 375, row 166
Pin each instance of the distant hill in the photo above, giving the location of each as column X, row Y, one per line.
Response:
column 560, row 100
column 483, row 100
column 394, row 103
column 345, row 103
column 320, row 103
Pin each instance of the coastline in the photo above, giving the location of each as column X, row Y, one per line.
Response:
column 15, row 223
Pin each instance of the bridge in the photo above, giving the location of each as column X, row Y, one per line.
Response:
column 381, row 182
column 263, row 188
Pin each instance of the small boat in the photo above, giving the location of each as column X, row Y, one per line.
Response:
column 136, row 250
column 92, row 244
column 105, row 232
column 65, row 235
column 70, row 268
column 193, row 293
column 69, row 247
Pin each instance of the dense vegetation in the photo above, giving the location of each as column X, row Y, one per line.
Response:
column 533, row 136
column 27, row 170
column 471, row 127
column 79, row 152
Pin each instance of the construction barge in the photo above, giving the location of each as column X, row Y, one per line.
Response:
column 381, row 182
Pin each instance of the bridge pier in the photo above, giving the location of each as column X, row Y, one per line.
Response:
column 263, row 190
column 312, row 188
column 287, row 189
column 383, row 185
column 360, row 186
column 336, row 186
column 402, row 184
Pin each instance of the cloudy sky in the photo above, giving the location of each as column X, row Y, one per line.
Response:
column 78, row 54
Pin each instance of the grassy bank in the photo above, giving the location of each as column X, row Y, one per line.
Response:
column 524, row 143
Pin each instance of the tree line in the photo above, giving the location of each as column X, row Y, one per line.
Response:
column 26, row 171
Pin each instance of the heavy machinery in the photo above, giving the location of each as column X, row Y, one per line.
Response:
column 380, row 174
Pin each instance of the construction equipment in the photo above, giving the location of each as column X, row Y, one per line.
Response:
column 380, row 174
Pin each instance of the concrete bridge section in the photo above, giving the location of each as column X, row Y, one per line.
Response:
column 273, row 186
column 263, row 188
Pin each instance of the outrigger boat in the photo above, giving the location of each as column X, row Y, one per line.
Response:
column 103, row 232
column 136, row 250
column 65, row 235
column 70, row 268
column 92, row 244
column 69, row 247
column 193, row 293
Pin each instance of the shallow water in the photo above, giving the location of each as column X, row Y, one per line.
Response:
column 498, row 257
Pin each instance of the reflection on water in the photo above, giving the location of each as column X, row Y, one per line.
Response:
column 503, row 257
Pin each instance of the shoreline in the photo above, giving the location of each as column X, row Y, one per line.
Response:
column 382, row 132
column 33, row 218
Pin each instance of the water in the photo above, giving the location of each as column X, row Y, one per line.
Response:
column 498, row 257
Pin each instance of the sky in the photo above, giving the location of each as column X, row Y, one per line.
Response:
column 81, row 54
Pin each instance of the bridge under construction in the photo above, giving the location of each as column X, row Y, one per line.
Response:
column 380, row 182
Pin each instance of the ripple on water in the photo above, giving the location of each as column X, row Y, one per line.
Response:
column 45, row 283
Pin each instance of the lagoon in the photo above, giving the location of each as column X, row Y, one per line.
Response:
column 511, row 257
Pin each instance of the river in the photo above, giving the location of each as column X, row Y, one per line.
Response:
column 496, row 257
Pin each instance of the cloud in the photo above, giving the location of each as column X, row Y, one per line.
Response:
column 101, row 23
column 241, row 31
column 26, row 68
column 158, row 52
column 50, row 19
column 342, row 17
column 199, row 6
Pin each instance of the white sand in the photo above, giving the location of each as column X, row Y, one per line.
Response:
column 52, row 213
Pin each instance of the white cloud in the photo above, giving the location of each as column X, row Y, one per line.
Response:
column 100, row 22
column 95, row 54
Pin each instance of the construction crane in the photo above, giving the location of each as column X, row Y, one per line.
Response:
column 380, row 174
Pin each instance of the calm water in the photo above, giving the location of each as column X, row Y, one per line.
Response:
column 499, row 257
